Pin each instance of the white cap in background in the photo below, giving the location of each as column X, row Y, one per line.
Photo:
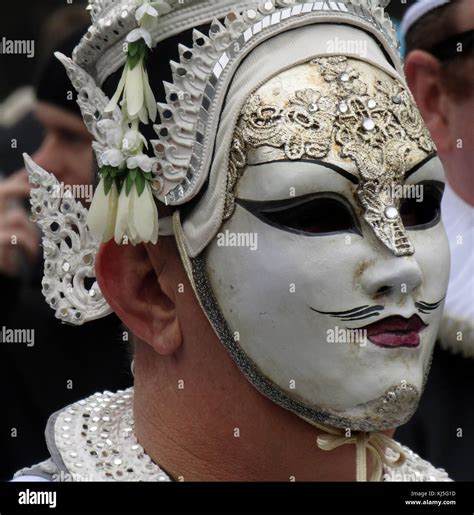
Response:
column 417, row 11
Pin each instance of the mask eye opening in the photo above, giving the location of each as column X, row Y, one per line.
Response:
column 421, row 215
column 317, row 214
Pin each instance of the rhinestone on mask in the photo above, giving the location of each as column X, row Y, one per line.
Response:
column 368, row 124
column 344, row 77
column 391, row 212
column 343, row 107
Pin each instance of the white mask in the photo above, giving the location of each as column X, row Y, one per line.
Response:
column 330, row 309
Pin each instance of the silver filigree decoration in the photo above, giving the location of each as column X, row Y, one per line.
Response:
column 69, row 250
column 391, row 410
column 92, row 102
column 378, row 132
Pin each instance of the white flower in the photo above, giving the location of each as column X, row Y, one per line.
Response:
column 120, row 88
column 144, row 219
column 137, row 217
column 161, row 6
column 148, row 12
column 145, row 9
column 141, row 161
column 112, row 157
column 138, row 98
column 134, row 91
column 113, row 132
column 102, row 213
column 150, row 101
column 144, row 12
column 132, row 141
column 137, row 34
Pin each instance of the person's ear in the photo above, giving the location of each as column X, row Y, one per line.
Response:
column 423, row 73
column 133, row 288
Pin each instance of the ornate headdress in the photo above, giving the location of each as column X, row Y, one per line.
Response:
column 181, row 163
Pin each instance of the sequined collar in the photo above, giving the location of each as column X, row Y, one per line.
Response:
column 94, row 440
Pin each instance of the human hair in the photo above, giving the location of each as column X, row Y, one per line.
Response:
column 60, row 26
column 438, row 25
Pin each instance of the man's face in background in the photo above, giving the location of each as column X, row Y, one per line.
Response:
column 66, row 149
column 444, row 87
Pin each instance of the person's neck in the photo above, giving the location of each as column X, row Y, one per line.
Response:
column 216, row 431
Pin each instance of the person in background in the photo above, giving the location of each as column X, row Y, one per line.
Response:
column 48, row 372
column 439, row 36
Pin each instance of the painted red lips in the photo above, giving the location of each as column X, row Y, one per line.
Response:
column 396, row 331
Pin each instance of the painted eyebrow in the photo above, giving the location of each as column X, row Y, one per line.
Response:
column 420, row 164
column 335, row 168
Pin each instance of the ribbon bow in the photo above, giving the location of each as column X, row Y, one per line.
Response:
column 375, row 443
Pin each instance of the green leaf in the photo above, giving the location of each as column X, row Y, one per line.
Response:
column 148, row 176
column 143, row 50
column 132, row 61
column 140, row 183
column 133, row 173
column 133, row 48
column 108, row 182
column 113, row 171
column 128, row 185
column 120, row 183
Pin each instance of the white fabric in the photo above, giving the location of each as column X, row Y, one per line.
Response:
column 457, row 327
column 418, row 10
column 287, row 49
column 458, row 217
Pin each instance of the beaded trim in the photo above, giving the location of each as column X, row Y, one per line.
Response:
column 96, row 441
